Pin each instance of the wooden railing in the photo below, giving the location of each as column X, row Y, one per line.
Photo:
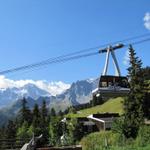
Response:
column 77, row 147
column 12, row 143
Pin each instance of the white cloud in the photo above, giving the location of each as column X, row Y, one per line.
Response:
column 147, row 20
column 53, row 88
column 126, row 58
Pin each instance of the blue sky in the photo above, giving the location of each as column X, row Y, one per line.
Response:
column 34, row 30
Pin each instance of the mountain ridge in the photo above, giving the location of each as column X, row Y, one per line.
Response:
column 78, row 93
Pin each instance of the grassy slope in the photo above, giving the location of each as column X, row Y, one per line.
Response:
column 97, row 140
column 112, row 105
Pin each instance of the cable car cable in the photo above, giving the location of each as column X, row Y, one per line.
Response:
column 62, row 58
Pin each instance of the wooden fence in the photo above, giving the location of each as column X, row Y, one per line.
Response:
column 77, row 147
column 12, row 143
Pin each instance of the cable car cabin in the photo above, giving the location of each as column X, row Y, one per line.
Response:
column 112, row 86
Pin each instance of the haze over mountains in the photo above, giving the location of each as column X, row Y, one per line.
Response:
column 57, row 94
column 11, row 90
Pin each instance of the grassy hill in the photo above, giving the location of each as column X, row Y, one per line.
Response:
column 112, row 105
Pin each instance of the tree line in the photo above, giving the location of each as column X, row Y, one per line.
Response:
column 40, row 120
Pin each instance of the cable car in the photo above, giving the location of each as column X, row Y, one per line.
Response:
column 110, row 85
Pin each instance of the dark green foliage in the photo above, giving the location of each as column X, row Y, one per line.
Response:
column 24, row 113
column 146, row 106
column 96, row 101
column 44, row 112
column 143, row 137
column 44, row 124
column 36, row 120
column 111, row 141
column 146, row 73
column 75, row 130
column 118, row 125
column 60, row 113
column 72, row 110
column 23, row 131
column 53, row 112
column 133, row 104
column 10, row 131
column 55, row 130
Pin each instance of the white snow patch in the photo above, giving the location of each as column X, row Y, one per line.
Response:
column 53, row 88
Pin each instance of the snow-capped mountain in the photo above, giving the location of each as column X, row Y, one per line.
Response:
column 59, row 92
column 77, row 93
column 11, row 91
column 10, row 95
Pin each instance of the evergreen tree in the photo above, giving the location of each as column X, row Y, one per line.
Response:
column 22, row 132
column 146, row 74
column 74, row 131
column 72, row 110
column 60, row 113
column 133, row 104
column 10, row 132
column 96, row 101
column 55, row 131
column 147, row 105
column 25, row 113
column 36, row 120
column 44, row 124
column 53, row 112
column 44, row 112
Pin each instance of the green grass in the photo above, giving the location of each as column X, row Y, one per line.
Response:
column 109, row 140
column 112, row 105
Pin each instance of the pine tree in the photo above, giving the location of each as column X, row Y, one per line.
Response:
column 146, row 74
column 44, row 124
column 10, row 132
column 55, row 131
column 53, row 112
column 36, row 120
column 133, row 104
column 60, row 113
column 22, row 132
column 44, row 112
column 25, row 114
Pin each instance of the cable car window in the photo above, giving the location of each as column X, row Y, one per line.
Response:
column 104, row 84
column 110, row 84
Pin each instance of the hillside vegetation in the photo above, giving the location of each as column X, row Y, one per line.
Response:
column 113, row 141
column 112, row 105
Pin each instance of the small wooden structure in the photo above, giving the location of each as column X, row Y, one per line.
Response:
column 104, row 120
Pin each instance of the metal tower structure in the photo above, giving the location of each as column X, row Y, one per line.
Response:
column 109, row 50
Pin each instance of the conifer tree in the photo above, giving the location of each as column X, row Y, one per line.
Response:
column 36, row 120
column 133, row 104
column 10, row 132
column 44, row 124
column 25, row 114
column 60, row 113
column 146, row 74
column 44, row 112
column 53, row 112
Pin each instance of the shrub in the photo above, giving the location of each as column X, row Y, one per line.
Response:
column 143, row 137
column 100, row 140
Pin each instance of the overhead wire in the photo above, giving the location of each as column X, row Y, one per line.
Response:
column 72, row 56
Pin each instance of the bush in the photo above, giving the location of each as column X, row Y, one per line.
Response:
column 115, row 141
column 143, row 137
column 100, row 140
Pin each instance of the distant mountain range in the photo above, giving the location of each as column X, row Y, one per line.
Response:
column 78, row 93
column 10, row 95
